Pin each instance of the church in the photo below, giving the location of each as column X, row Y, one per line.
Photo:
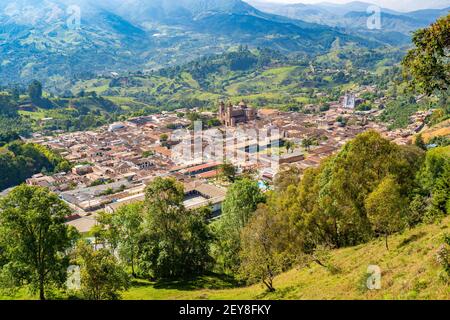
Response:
column 231, row 115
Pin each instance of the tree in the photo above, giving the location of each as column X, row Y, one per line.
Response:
column 289, row 145
column 416, row 210
column 175, row 241
column 63, row 166
column 420, row 143
column 433, row 180
column 289, row 176
column 213, row 123
column 35, row 91
column 324, row 108
column 441, row 192
column 22, row 160
column 15, row 93
column 164, row 137
column 241, row 201
column 228, row 171
column 102, row 277
column 126, row 227
column 193, row 116
column 148, row 154
column 7, row 108
column 32, row 219
column 427, row 63
column 259, row 255
column 307, row 143
column 331, row 198
column 385, row 208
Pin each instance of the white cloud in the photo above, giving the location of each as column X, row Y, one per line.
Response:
column 401, row 5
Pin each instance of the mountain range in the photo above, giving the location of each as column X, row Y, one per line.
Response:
column 353, row 16
column 53, row 40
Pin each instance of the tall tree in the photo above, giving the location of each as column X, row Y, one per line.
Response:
column 102, row 277
column 175, row 242
column 331, row 198
column 307, row 143
column 123, row 228
column 385, row 208
column 420, row 143
column 32, row 219
column 7, row 107
column 35, row 91
column 434, row 187
column 261, row 259
column 240, row 203
column 287, row 176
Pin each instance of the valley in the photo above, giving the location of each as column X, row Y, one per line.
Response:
column 223, row 150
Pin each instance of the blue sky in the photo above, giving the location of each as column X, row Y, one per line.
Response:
column 401, row 5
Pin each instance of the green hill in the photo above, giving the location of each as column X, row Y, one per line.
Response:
column 409, row 271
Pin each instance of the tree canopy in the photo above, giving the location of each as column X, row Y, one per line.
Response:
column 35, row 238
column 241, row 201
column 174, row 241
column 428, row 63
column 102, row 277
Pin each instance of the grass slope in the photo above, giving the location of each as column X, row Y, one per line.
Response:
column 440, row 130
column 409, row 271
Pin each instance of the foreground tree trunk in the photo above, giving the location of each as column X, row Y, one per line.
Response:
column 41, row 289
column 269, row 281
column 319, row 263
column 269, row 285
column 133, row 273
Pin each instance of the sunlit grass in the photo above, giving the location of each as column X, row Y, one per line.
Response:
column 409, row 271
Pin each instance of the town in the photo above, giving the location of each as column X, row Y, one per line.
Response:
column 224, row 150
column 113, row 165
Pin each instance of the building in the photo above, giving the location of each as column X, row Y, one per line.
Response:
column 82, row 170
column 196, row 195
column 231, row 115
column 201, row 169
column 292, row 157
column 116, row 126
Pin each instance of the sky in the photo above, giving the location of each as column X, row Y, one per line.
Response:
column 400, row 5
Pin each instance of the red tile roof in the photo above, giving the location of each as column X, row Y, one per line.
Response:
column 209, row 174
column 202, row 167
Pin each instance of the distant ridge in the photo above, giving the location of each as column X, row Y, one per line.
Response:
column 140, row 34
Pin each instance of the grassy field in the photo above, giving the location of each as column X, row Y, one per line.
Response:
column 409, row 271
